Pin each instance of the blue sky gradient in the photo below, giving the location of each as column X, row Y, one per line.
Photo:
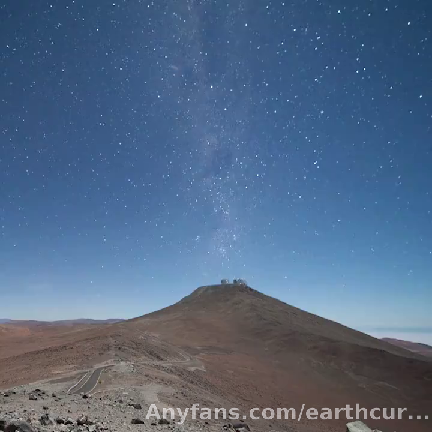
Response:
column 147, row 148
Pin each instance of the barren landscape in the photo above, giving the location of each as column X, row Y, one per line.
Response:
column 222, row 346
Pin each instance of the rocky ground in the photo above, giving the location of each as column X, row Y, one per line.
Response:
column 33, row 409
column 52, row 406
column 120, row 402
column 49, row 408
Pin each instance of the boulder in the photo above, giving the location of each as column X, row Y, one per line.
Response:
column 33, row 397
column 18, row 426
column 45, row 420
column 136, row 405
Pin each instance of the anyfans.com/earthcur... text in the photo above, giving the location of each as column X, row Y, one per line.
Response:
column 347, row 413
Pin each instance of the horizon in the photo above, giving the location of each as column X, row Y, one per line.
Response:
column 148, row 148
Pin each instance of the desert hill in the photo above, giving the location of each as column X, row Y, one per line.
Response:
column 255, row 351
column 257, row 345
column 35, row 323
column 245, row 315
column 21, row 336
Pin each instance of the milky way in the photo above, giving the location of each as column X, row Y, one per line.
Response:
column 146, row 141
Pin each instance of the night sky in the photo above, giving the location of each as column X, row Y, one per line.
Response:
column 149, row 147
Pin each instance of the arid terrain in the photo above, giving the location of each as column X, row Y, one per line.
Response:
column 221, row 346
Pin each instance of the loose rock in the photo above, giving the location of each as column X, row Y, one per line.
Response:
column 238, row 426
column 84, row 421
column 137, row 421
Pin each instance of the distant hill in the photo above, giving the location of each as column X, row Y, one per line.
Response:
column 86, row 321
column 22, row 336
column 27, row 323
column 11, row 331
column 417, row 347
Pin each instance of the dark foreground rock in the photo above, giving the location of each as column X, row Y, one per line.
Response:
column 45, row 420
column 240, row 426
column 18, row 426
column 137, row 421
column 84, row 421
column 163, row 421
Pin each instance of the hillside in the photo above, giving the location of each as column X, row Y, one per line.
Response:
column 243, row 314
column 257, row 345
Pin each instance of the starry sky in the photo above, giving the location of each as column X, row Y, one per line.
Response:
column 149, row 147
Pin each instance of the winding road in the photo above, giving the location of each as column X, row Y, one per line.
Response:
column 87, row 383
column 90, row 379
